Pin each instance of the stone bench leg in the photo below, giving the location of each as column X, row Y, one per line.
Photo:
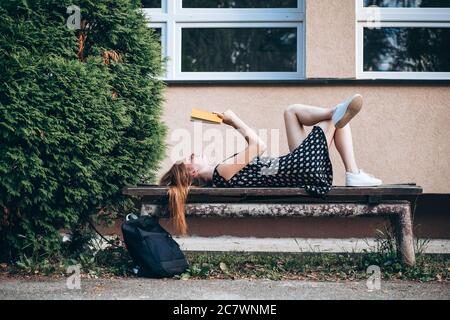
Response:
column 402, row 226
column 400, row 213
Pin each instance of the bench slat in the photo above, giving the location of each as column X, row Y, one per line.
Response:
column 154, row 192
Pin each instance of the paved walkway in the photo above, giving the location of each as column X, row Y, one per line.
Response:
column 294, row 245
column 218, row 290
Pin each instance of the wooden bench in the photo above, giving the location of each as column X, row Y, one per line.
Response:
column 396, row 201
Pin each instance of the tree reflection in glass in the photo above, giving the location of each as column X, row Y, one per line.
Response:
column 151, row 3
column 408, row 49
column 239, row 50
column 240, row 4
column 408, row 3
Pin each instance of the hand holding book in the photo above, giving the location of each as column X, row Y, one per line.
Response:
column 228, row 117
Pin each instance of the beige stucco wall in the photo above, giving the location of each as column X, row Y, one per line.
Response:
column 330, row 39
column 402, row 134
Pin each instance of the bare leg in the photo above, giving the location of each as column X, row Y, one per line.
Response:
column 344, row 144
column 297, row 116
column 310, row 115
column 329, row 129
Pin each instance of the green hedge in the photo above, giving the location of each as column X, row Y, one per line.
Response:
column 74, row 129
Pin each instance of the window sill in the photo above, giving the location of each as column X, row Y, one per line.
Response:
column 311, row 82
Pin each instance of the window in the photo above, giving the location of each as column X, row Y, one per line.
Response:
column 408, row 3
column 160, row 32
column 403, row 39
column 230, row 39
column 240, row 4
column 151, row 3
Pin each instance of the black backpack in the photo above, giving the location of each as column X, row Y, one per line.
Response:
column 152, row 248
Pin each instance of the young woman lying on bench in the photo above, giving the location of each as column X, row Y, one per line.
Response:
column 306, row 166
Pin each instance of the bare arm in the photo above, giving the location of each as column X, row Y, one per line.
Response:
column 255, row 147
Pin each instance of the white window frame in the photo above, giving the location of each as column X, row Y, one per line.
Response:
column 162, row 26
column 397, row 17
column 172, row 18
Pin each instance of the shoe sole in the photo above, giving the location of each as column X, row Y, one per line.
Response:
column 365, row 185
column 353, row 109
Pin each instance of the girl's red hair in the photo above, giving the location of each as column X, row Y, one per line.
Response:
column 179, row 180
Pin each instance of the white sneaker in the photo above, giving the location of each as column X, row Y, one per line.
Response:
column 347, row 110
column 361, row 179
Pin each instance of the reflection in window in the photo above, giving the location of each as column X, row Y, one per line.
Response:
column 239, row 50
column 157, row 31
column 408, row 49
column 239, row 3
column 408, row 3
column 151, row 3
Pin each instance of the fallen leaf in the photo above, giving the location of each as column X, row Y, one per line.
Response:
column 185, row 276
column 223, row 267
column 311, row 276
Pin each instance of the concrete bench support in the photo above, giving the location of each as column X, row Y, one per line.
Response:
column 402, row 226
column 399, row 212
column 394, row 201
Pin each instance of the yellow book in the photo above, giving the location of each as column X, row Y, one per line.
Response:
column 205, row 115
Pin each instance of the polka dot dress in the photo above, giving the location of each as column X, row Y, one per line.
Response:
column 307, row 167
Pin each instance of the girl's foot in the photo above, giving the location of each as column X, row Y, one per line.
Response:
column 361, row 179
column 344, row 112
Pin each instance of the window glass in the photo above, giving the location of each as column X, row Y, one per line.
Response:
column 240, row 4
column 408, row 49
column 151, row 3
column 239, row 49
column 408, row 3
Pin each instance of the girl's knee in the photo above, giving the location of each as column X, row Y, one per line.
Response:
column 328, row 127
column 292, row 108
